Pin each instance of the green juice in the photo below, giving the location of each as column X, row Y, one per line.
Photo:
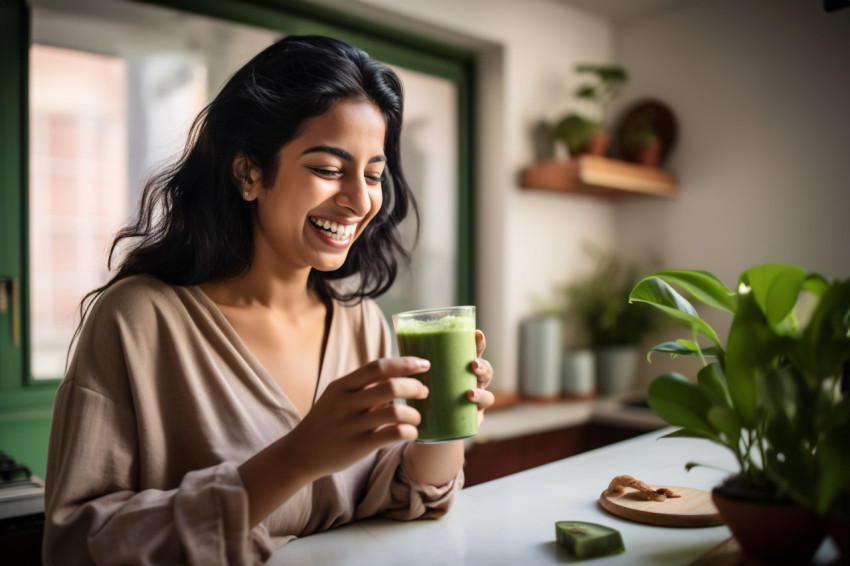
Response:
column 448, row 342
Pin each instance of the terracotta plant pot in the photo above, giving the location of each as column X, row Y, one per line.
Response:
column 649, row 154
column 769, row 530
column 599, row 144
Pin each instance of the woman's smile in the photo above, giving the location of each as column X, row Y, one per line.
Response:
column 337, row 234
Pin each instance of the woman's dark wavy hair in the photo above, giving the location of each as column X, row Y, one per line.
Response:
column 194, row 227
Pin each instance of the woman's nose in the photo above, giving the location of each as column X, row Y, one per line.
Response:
column 354, row 195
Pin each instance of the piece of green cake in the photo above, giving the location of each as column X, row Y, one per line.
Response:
column 588, row 540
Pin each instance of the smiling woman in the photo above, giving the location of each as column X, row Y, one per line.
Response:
column 233, row 385
column 63, row 200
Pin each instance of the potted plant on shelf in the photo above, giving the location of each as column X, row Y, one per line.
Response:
column 638, row 140
column 587, row 135
column 770, row 394
column 611, row 326
column 604, row 86
column 579, row 135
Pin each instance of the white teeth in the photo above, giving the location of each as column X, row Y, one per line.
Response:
column 334, row 230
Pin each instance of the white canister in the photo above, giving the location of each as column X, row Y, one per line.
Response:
column 540, row 358
column 578, row 374
column 616, row 369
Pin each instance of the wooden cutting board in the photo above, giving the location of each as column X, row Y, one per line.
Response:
column 693, row 509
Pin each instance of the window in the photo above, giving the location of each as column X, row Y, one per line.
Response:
column 78, row 155
column 94, row 99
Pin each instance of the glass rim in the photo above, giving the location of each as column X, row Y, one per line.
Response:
column 433, row 310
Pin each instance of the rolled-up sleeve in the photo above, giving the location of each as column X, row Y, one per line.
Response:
column 394, row 493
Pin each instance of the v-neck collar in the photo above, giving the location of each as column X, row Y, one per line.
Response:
column 271, row 386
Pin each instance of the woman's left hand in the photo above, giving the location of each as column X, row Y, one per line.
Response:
column 484, row 371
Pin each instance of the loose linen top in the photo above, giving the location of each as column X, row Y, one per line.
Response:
column 162, row 401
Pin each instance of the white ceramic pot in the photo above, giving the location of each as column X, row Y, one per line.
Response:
column 616, row 369
column 540, row 358
column 578, row 374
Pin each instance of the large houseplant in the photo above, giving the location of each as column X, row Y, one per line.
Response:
column 771, row 393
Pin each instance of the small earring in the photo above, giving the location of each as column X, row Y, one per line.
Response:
column 246, row 194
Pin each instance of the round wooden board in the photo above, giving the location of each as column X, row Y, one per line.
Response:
column 693, row 509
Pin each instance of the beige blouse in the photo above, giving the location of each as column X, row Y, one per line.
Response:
column 162, row 401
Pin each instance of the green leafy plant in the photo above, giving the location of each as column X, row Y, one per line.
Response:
column 576, row 132
column 600, row 303
column 771, row 394
column 603, row 86
column 637, row 131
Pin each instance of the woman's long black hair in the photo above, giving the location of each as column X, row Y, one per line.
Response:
column 193, row 226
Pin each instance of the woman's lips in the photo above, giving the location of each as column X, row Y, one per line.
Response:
column 335, row 233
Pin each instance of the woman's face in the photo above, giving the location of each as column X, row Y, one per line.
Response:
column 326, row 191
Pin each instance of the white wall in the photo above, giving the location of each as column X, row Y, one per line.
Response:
column 526, row 240
column 761, row 90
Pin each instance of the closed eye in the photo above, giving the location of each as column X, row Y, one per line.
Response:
column 326, row 172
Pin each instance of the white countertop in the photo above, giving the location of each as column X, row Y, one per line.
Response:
column 511, row 521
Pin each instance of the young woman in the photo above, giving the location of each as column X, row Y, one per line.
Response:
column 228, row 392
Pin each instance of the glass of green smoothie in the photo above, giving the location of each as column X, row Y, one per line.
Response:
column 446, row 338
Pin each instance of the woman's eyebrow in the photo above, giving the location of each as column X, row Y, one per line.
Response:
column 339, row 152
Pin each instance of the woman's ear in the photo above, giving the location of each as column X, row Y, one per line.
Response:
column 245, row 174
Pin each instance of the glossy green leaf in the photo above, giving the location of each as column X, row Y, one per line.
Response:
column 816, row 283
column 687, row 433
column 789, row 461
column 748, row 358
column 683, row 347
column 825, row 343
column 776, row 287
column 833, row 458
column 725, row 420
column 702, row 286
column 660, row 294
column 782, row 394
column 713, row 379
column 681, row 402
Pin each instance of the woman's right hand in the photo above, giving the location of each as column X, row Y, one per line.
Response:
column 354, row 417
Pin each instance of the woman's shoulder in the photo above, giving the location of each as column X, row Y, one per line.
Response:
column 135, row 296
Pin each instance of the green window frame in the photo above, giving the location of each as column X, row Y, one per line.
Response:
column 26, row 404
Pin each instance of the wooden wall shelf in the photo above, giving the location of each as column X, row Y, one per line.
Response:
column 598, row 176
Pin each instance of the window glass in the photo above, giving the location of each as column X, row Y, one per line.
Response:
column 77, row 181
column 429, row 155
column 114, row 87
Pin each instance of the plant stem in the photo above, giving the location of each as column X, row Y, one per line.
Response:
column 699, row 350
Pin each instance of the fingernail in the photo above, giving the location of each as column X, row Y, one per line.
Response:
column 472, row 394
column 423, row 364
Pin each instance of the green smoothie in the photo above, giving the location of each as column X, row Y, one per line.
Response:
column 446, row 338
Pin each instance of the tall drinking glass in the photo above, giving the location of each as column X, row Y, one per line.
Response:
column 446, row 338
